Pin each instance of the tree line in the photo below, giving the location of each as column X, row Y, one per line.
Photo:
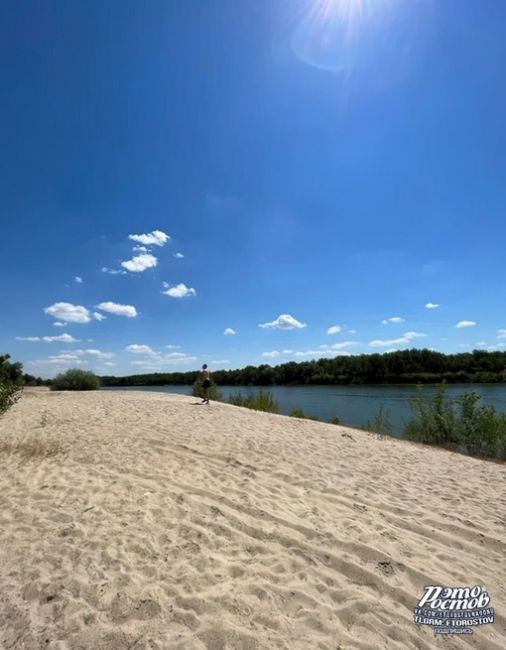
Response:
column 402, row 367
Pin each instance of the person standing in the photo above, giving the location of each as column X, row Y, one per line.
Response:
column 206, row 384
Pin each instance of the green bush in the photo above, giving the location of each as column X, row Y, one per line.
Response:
column 9, row 393
column 432, row 419
column 261, row 401
column 461, row 424
column 76, row 379
column 335, row 420
column 214, row 393
column 10, row 382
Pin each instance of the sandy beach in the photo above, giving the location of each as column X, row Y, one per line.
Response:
column 144, row 521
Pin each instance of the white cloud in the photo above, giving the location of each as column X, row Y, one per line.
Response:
column 270, row 355
column 68, row 313
column 68, row 357
column 139, row 349
column 113, row 271
column 483, row 343
column 119, row 310
column 344, row 344
column 465, row 323
column 78, row 279
column 403, row 340
column 287, row 352
column 98, row 354
column 229, row 331
column 414, row 335
column 59, row 324
column 352, row 331
column 394, row 319
column 431, row 305
column 178, row 290
column 283, row 322
column 56, row 360
column 308, row 353
column 140, row 263
column 140, row 249
column 153, row 238
column 64, row 338
column 108, row 363
column 501, row 334
column 335, row 329
column 181, row 360
column 173, row 347
column 157, row 362
column 379, row 343
column 98, row 316
column 179, row 256
column 221, row 362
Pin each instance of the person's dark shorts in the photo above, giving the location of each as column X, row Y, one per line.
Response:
column 206, row 383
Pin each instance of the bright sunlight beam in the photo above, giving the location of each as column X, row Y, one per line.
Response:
column 378, row 36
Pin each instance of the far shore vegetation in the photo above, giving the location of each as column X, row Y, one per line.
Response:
column 402, row 367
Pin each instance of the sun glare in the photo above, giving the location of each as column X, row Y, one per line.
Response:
column 359, row 35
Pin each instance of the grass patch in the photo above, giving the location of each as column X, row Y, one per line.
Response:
column 381, row 423
column 299, row 413
column 380, row 426
column 31, row 448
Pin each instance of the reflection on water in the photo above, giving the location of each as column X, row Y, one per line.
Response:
column 353, row 405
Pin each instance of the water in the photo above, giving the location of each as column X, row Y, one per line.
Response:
column 353, row 405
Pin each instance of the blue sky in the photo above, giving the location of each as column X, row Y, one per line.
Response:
column 342, row 162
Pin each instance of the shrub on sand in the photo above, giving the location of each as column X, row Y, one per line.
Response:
column 460, row 423
column 10, row 382
column 76, row 379
column 261, row 401
column 9, row 393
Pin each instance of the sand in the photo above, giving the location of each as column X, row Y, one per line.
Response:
column 142, row 520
